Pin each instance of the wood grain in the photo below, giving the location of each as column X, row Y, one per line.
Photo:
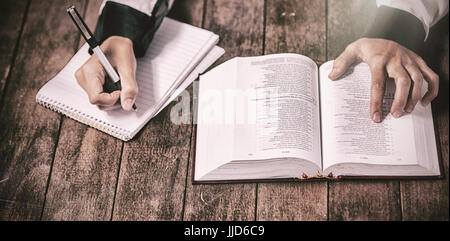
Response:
column 294, row 28
column 29, row 131
column 429, row 199
column 188, row 11
column 10, row 12
column 240, row 27
column 85, row 166
column 357, row 200
column 154, row 165
column 347, row 21
column 54, row 168
column 364, row 200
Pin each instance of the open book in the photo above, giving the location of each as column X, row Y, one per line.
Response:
column 279, row 117
column 178, row 53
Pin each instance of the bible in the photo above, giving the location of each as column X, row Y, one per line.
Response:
column 279, row 117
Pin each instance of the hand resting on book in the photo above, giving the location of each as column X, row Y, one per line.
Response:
column 389, row 59
column 91, row 76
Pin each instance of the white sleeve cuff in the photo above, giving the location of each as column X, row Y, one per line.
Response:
column 429, row 12
column 145, row 6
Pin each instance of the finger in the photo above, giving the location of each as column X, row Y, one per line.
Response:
column 402, row 86
column 343, row 62
column 85, row 75
column 105, row 99
column 433, row 81
column 91, row 84
column 129, row 92
column 417, row 81
column 126, row 66
column 90, row 77
column 377, row 92
column 111, row 107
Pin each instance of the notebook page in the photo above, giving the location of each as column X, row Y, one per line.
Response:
column 168, row 60
column 210, row 58
column 214, row 39
column 174, row 47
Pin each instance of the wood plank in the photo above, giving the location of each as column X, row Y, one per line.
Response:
column 11, row 20
column 85, row 167
column 347, row 21
column 188, row 11
column 29, row 131
column 154, row 165
column 295, row 28
column 364, row 200
column 429, row 199
column 357, row 200
column 240, row 26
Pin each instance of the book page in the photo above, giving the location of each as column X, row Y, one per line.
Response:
column 214, row 137
column 277, row 109
column 348, row 133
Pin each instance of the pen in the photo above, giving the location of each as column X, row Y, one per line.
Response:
column 90, row 39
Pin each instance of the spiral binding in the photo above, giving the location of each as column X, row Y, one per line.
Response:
column 83, row 117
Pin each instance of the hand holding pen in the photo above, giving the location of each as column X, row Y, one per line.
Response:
column 103, row 92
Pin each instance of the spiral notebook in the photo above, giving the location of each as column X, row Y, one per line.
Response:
column 178, row 53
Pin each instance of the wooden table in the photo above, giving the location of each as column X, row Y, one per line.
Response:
column 54, row 168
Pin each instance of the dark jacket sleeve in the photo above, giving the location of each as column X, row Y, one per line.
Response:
column 399, row 26
column 120, row 20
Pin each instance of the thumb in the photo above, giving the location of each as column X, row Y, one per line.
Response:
column 122, row 56
column 129, row 91
column 126, row 67
column 341, row 64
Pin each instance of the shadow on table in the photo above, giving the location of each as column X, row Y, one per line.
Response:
column 436, row 54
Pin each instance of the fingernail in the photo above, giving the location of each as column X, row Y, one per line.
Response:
column 376, row 117
column 332, row 74
column 397, row 114
column 409, row 109
column 128, row 104
column 425, row 103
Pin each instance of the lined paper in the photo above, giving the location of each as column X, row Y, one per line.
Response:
column 176, row 51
